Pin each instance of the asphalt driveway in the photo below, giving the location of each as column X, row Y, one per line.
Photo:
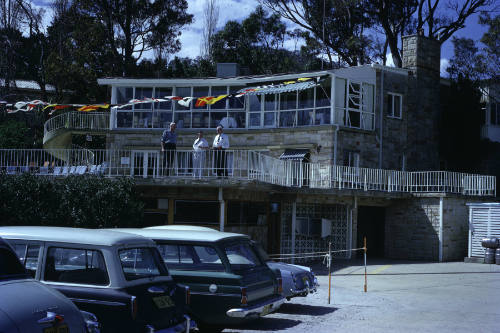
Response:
column 402, row 297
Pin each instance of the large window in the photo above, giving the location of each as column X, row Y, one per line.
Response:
column 241, row 212
column 138, row 263
column 354, row 104
column 203, row 212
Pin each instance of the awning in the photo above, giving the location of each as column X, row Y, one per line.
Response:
column 279, row 88
column 296, row 155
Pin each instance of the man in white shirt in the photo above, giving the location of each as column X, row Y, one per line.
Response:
column 220, row 144
column 200, row 145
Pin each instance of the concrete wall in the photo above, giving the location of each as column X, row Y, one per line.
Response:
column 455, row 228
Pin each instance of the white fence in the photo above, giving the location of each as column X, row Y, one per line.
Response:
column 238, row 164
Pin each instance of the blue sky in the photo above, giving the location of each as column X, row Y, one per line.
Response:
column 240, row 9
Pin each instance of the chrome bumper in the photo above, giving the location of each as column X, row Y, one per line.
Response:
column 184, row 326
column 258, row 310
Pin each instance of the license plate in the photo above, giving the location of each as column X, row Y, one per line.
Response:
column 58, row 329
column 266, row 310
column 163, row 302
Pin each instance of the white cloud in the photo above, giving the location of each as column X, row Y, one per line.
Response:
column 443, row 65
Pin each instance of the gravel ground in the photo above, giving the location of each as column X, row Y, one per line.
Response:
column 401, row 297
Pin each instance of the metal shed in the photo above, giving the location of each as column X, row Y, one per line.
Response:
column 484, row 221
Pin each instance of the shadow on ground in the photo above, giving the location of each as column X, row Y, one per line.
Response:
column 267, row 324
column 304, row 309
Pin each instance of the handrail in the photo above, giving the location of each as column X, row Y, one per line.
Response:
column 242, row 165
column 92, row 121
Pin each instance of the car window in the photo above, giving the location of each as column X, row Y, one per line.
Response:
column 241, row 256
column 28, row 258
column 139, row 263
column 191, row 257
column 9, row 265
column 83, row 266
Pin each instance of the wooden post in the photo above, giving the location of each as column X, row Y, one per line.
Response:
column 364, row 247
column 329, row 270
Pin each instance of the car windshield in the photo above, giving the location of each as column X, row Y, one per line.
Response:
column 241, row 256
column 10, row 267
column 139, row 263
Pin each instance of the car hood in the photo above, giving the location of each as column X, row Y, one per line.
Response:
column 27, row 301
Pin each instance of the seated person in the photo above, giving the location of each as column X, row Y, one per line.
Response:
column 228, row 122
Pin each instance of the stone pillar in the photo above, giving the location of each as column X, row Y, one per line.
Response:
column 422, row 56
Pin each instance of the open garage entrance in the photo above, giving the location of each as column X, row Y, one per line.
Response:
column 371, row 224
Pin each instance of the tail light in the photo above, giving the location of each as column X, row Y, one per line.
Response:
column 244, row 298
column 280, row 285
column 133, row 307
column 188, row 295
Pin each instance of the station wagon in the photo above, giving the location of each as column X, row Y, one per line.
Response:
column 121, row 278
column 27, row 305
column 229, row 283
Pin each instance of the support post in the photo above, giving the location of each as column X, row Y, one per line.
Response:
column 364, row 247
column 222, row 210
column 329, row 270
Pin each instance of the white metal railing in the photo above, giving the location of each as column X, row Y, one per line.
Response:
column 238, row 164
column 76, row 120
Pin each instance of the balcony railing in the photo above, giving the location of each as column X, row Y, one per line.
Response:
column 93, row 121
column 238, row 165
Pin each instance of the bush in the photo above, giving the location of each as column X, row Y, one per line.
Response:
column 75, row 201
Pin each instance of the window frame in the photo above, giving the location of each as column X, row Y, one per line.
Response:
column 390, row 113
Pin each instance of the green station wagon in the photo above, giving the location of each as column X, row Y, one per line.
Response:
column 229, row 283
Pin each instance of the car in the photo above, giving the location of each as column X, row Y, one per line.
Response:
column 229, row 283
column 27, row 305
column 297, row 280
column 121, row 278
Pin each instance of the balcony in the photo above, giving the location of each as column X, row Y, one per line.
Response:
column 240, row 165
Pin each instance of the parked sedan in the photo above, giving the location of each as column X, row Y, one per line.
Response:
column 27, row 305
column 297, row 280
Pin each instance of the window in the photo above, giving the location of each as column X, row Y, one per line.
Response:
column 242, row 256
column 28, row 255
column 191, row 257
column 139, row 263
column 395, row 105
column 308, row 226
column 253, row 213
column 75, row 266
column 202, row 212
column 351, row 159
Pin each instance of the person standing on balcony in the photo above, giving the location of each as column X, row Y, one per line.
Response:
column 220, row 144
column 168, row 147
column 200, row 145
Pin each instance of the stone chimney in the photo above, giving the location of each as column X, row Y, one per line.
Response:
column 422, row 56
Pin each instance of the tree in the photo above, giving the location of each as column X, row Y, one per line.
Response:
column 135, row 27
column 340, row 25
column 257, row 43
column 431, row 18
column 466, row 63
column 211, row 17
column 14, row 135
column 491, row 42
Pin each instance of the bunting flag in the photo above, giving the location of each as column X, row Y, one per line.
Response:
column 216, row 99
column 287, row 86
column 202, row 101
column 186, row 101
column 88, row 108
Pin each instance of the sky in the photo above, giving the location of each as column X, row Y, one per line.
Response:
column 240, row 9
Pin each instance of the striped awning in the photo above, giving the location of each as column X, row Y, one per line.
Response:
column 279, row 88
column 295, row 155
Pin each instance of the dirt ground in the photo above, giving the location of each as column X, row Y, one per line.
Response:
column 401, row 297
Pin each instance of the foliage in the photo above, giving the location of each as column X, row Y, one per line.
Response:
column 75, row 201
column 14, row 135
column 491, row 41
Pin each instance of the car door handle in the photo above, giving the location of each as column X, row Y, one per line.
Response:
column 156, row 290
column 51, row 318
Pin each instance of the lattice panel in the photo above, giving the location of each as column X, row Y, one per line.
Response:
column 306, row 244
